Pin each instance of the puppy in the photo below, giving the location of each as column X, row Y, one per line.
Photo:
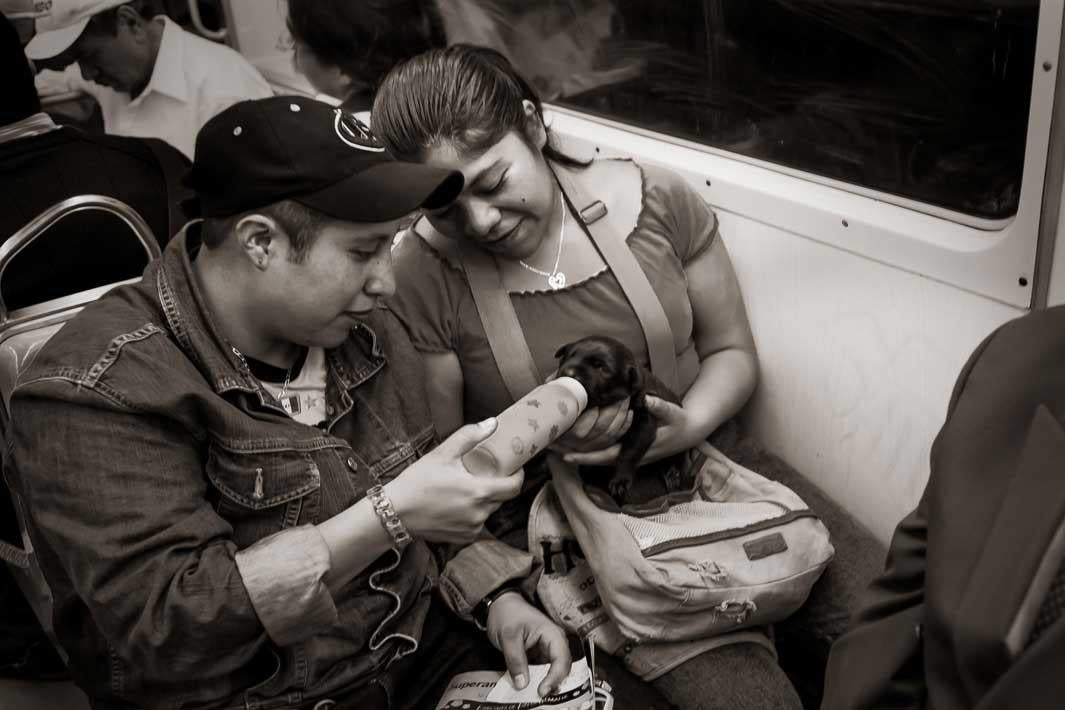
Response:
column 609, row 373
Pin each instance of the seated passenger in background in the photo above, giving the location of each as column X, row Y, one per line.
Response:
column 968, row 611
column 42, row 164
column 151, row 77
column 345, row 48
column 220, row 463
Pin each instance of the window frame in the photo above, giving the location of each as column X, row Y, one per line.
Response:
column 983, row 256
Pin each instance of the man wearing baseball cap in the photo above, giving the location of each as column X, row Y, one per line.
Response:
column 223, row 465
column 150, row 77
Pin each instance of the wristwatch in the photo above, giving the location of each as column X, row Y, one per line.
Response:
column 480, row 612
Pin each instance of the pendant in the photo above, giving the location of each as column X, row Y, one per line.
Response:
column 556, row 280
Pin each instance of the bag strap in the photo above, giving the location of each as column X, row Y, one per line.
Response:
column 505, row 336
column 630, row 276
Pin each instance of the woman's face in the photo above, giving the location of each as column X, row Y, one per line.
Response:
column 509, row 199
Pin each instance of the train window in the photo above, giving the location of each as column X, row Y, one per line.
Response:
column 911, row 132
column 924, row 99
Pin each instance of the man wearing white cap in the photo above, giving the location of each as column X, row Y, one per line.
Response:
column 150, row 77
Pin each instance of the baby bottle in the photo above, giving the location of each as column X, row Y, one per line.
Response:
column 527, row 427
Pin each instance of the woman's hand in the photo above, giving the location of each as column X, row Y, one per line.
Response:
column 596, row 428
column 439, row 500
column 674, row 434
column 514, row 626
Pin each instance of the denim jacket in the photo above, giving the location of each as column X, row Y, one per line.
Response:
column 172, row 504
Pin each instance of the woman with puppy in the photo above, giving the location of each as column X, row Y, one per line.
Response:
column 467, row 109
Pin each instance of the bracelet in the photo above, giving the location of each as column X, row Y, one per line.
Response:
column 389, row 519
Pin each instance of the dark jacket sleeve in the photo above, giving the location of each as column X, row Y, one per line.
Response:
column 879, row 662
column 118, row 510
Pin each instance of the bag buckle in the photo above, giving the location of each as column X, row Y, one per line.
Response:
column 737, row 610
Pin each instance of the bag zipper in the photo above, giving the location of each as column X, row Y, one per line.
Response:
column 708, row 538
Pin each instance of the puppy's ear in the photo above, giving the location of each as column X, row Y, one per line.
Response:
column 563, row 352
column 634, row 374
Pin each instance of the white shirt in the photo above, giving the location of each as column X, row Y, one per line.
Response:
column 193, row 79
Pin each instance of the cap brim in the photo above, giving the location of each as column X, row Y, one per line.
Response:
column 385, row 192
column 51, row 43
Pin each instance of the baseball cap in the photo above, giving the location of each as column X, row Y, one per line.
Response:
column 259, row 152
column 62, row 23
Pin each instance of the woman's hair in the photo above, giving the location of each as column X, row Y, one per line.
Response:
column 365, row 38
column 463, row 95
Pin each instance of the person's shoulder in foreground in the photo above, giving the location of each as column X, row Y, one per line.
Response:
column 966, row 612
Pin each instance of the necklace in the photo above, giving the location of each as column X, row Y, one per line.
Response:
column 284, row 385
column 555, row 279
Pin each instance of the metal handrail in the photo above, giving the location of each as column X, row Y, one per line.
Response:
column 197, row 22
column 42, row 222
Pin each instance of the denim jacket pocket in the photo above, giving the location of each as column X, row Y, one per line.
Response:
column 260, row 493
column 403, row 455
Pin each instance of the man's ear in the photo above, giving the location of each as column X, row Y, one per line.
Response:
column 259, row 239
column 129, row 18
column 535, row 132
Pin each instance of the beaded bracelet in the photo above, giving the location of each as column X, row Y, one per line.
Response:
column 389, row 519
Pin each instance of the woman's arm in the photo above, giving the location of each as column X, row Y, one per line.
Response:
column 444, row 383
column 728, row 363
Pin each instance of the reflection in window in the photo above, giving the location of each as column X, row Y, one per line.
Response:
column 926, row 99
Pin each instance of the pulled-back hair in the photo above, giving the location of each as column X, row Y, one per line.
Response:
column 465, row 96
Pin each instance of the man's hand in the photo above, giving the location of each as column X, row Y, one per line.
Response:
column 439, row 500
column 596, row 428
column 514, row 626
column 673, row 435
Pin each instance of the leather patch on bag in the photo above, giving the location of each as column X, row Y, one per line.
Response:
column 765, row 546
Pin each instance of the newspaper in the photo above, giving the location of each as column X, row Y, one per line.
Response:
column 492, row 690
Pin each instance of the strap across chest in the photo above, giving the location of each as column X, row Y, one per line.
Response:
column 505, row 336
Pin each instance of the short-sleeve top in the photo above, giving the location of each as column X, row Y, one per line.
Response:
column 434, row 301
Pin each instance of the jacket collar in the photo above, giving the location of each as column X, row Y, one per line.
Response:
column 189, row 319
column 168, row 74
